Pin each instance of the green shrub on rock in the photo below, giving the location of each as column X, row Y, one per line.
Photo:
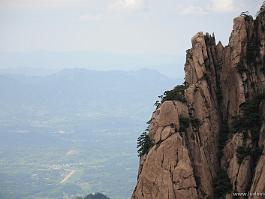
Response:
column 184, row 123
column 144, row 143
column 250, row 119
column 175, row 94
column 196, row 123
column 242, row 152
column 222, row 184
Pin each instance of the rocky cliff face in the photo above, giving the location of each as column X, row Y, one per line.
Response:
column 208, row 139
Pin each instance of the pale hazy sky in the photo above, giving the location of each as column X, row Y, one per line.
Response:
column 142, row 27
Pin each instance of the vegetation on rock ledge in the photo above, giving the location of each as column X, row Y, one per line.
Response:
column 144, row 143
column 184, row 123
column 223, row 137
column 221, row 184
column 195, row 123
column 175, row 94
column 242, row 152
column 249, row 121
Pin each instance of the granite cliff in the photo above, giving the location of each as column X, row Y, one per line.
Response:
column 206, row 137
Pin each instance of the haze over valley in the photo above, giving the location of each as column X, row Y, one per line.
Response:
column 65, row 134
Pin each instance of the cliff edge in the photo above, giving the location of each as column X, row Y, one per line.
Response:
column 206, row 137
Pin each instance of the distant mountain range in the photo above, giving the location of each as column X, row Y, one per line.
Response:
column 43, row 62
column 81, row 91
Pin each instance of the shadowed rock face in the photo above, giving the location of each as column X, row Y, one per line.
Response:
column 220, row 82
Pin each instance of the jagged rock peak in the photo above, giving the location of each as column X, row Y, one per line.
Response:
column 208, row 135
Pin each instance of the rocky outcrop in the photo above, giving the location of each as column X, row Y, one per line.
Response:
column 223, row 97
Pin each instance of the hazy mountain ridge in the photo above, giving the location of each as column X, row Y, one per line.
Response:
column 43, row 62
column 84, row 90
column 80, row 85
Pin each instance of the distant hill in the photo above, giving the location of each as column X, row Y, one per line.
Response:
column 41, row 62
column 96, row 196
column 81, row 86
column 81, row 92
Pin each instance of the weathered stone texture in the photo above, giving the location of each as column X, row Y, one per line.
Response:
column 183, row 164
